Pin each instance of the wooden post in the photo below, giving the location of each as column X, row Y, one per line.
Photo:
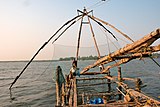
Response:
column 119, row 74
column 75, row 92
column 120, row 80
column 83, row 98
column 71, row 94
column 63, row 94
column 138, row 83
column 109, row 83
column 58, row 85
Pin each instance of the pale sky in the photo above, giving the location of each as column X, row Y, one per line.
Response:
column 26, row 24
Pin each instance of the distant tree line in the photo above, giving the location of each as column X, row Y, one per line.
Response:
column 155, row 55
column 79, row 58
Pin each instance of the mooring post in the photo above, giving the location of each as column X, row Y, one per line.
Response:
column 58, row 70
column 120, row 80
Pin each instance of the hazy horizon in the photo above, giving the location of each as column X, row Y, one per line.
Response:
column 27, row 24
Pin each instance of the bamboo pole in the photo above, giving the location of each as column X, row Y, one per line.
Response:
column 113, row 28
column 125, row 59
column 71, row 20
column 79, row 37
column 129, row 79
column 137, row 94
column 111, row 78
column 120, row 80
column 144, row 42
column 94, row 39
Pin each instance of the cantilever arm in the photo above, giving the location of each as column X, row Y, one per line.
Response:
column 127, row 58
column 106, row 23
column 153, row 36
column 103, row 26
column 41, row 49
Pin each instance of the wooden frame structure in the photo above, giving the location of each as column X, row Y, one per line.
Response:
column 118, row 93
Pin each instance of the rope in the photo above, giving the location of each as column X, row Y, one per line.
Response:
column 97, row 4
column 154, row 60
column 108, row 39
column 44, row 46
column 92, row 6
column 41, row 73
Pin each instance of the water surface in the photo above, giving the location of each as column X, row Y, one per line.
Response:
column 36, row 86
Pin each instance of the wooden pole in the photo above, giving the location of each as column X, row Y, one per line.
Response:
column 83, row 98
column 75, row 92
column 79, row 37
column 94, row 73
column 113, row 28
column 71, row 95
column 95, row 42
column 63, row 94
column 138, row 83
column 134, row 47
column 120, row 80
column 119, row 74
column 58, row 85
column 94, row 39
column 109, row 83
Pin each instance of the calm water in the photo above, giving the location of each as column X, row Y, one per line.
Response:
column 36, row 88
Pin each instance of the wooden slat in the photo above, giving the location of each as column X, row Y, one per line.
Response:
column 95, row 78
column 99, row 94
column 93, row 84
column 93, row 73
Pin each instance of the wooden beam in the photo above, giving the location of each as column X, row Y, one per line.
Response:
column 137, row 94
column 98, row 94
column 86, row 85
column 144, row 42
column 106, row 23
column 93, row 73
column 94, row 78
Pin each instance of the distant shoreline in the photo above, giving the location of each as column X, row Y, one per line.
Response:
column 156, row 55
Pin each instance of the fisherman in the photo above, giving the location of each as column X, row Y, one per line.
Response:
column 100, row 67
column 74, row 63
column 74, row 70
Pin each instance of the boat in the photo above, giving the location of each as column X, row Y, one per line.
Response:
column 80, row 87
